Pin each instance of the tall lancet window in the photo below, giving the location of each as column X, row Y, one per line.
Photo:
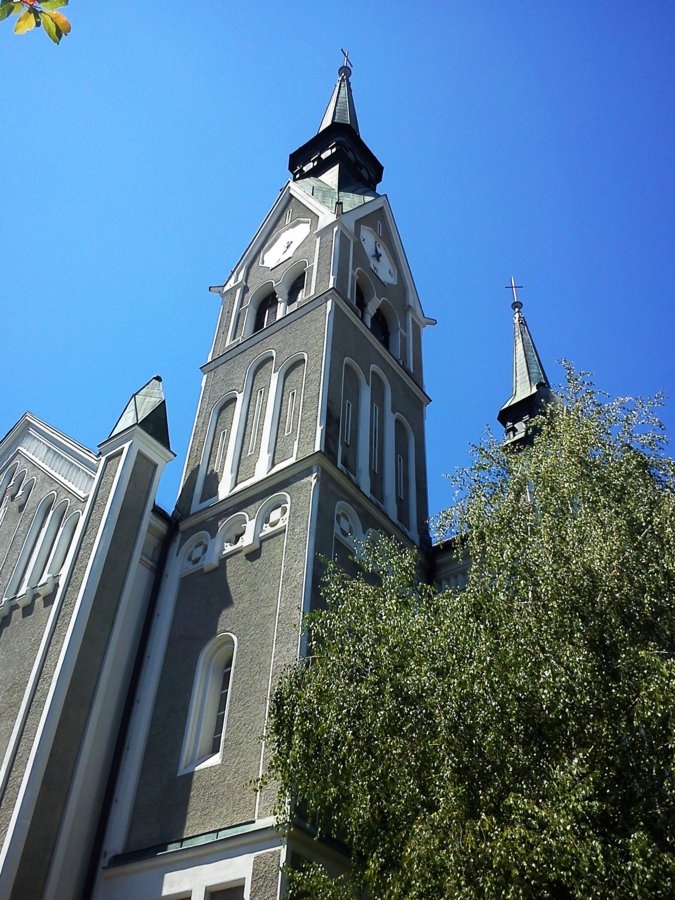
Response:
column 296, row 292
column 380, row 328
column 207, row 717
column 360, row 300
column 219, row 726
column 266, row 313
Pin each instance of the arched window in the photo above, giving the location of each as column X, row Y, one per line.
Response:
column 360, row 300
column 63, row 543
column 379, row 327
column 36, row 547
column 207, row 718
column 296, row 292
column 266, row 313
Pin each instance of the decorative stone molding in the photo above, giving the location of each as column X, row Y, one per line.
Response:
column 204, row 553
column 30, row 595
column 67, row 462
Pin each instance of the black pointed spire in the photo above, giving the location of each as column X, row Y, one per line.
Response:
column 337, row 154
column 531, row 389
column 341, row 107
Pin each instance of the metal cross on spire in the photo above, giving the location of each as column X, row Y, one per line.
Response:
column 513, row 287
column 346, row 67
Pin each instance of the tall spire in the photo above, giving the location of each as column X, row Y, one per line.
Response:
column 341, row 104
column 531, row 388
column 337, row 155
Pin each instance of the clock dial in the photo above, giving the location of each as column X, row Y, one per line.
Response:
column 284, row 244
column 379, row 258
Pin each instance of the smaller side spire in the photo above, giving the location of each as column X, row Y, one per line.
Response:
column 147, row 409
column 531, row 389
column 341, row 107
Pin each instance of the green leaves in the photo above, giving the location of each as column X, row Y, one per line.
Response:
column 7, row 8
column 32, row 13
column 516, row 738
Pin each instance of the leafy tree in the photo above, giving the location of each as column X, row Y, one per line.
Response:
column 32, row 13
column 516, row 738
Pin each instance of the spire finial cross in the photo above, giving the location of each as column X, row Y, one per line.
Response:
column 513, row 287
column 346, row 67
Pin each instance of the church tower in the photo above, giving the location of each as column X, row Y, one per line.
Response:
column 309, row 433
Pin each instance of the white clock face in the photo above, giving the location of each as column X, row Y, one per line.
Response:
column 379, row 258
column 284, row 244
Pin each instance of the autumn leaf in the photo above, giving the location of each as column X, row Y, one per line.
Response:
column 61, row 21
column 35, row 13
column 50, row 27
column 25, row 22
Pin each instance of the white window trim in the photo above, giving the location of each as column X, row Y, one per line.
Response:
column 256, row 421
column 220, row 452
column 290, row 412
column 347, row 430
column 375, row 438
column 399, row 477
column 196, row 750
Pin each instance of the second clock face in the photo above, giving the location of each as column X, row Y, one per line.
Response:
column 379, row 257
column 284, row 244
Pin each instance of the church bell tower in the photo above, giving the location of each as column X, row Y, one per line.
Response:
column 309, row 434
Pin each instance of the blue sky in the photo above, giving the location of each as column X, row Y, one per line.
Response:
column 525, row 138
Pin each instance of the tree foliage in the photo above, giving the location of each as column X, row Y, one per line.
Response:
column 516, row 738
column 32, row 14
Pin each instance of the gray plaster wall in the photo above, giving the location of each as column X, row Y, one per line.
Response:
column 350, row 339
column 21, row 630
column 265, row 878
column 344, row 282
column 21, row 509
column 300, row 332
column 65, row 748
column 330, row 494
column 394, row 294
column 256, row 597
column 21, row 639
column 236, row 300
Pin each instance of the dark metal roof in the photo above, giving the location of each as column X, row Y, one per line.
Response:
column 528, row 371
column 338, row 146
column 341, row 107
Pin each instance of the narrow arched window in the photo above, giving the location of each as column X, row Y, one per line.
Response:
column 266, row 313
column 207, row 718
column 360, row 300
column 219, row 726
column 296, row 292
column 379, row 327
column 36, row 545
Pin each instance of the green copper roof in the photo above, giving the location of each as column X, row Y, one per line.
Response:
column 528, row 371
column 147, row 409
column 341, row 107
column 328, row 196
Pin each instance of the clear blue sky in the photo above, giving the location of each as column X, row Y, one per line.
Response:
column 526, row 138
